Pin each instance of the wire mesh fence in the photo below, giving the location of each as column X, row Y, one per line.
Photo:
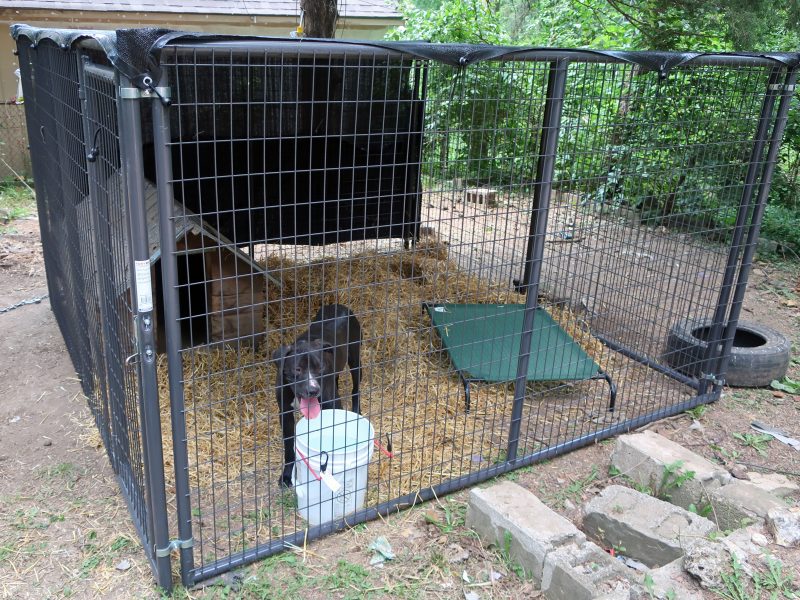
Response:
column 15, row 159
column 377, row 276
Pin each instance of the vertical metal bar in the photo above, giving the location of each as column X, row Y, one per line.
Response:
column 556, row 84
column 755, row 225
column 735, row 249
column 172, row 330
column 142, row 300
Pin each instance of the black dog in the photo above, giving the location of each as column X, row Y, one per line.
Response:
column 309, row 369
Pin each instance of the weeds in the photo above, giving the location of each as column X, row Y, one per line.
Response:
column 697, row 412
column 509, row 562
column 787, row 384
column 738, row 585
column 454, row 516
column 16, row 202
column 756, row 441
column 672, row 478
column 574, row 490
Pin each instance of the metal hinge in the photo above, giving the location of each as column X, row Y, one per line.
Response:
column 134, row 93
column 174, row 545
column 779, row 87
column 712, row 378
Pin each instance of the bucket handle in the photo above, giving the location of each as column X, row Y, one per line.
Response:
column 311, row 470
column 388, row 450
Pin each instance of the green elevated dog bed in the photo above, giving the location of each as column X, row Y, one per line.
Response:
column 483, row 342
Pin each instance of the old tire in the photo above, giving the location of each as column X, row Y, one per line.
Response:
column 758, row 356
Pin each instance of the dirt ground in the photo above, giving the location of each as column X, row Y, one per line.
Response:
column 65, row 530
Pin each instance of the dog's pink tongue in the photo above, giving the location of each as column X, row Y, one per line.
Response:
column 309, row 407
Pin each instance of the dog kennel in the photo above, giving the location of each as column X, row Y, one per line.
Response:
column 516, row 230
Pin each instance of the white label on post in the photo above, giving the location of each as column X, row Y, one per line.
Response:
column 144, row 287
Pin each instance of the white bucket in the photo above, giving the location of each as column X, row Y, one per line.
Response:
column 346, row 440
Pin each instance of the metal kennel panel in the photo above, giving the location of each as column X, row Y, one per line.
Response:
column 558, row 189
column 121, row 250
column 74, row 135
column 513, row 233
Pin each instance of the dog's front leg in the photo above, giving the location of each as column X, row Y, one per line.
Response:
column 285, row 397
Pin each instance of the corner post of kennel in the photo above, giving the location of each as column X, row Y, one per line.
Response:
column 785, row 91
column 716, row 345
column 545, row 167
column 162, row 137
column 130, row 131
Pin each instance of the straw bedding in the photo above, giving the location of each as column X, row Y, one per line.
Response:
column 410, row 392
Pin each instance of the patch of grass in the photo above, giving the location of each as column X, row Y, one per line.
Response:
column 16, row 202
column 273, row 581
column 33, row 518
column 454, row 516
column 574, row 490
column 773, row 584
column 287, row 499
column 756, row 441
column 727, row 454
column 352, row 579
column 704, row 510
column 698, row 411
column 508, row 561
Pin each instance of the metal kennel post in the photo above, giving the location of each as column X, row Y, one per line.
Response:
column 201, row 197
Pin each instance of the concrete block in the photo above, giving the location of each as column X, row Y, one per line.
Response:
column 784, row 523
column 643, row 457
column 534, row 529
column 652, row 531
column 584, row 572
column 740, row 500
column 669, row 581
column 774, row 483
column 482, row 196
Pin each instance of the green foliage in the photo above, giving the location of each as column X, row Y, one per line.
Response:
column 486, row 126
column 774, row 584
column 756, row 441
column 672, row 478
column 787, row 384
column 452, row 21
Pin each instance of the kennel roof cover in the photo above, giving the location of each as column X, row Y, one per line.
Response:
column 136, row 52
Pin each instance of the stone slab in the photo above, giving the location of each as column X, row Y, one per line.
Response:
column 650, row 530
column 643, row 457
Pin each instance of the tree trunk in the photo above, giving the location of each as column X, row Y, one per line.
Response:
column 320, row 16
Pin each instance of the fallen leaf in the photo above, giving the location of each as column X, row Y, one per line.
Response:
column 471, row 596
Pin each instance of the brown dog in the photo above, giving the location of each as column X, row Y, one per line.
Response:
column 309, row 369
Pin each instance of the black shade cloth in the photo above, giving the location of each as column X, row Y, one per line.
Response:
column 136, row 52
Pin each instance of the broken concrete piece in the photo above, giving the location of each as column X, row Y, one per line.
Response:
column 644, row 456
column 706, row 561
column 650, row 530
column 784, row 523
column 512, row 518
column 668, row 582
column 584, row 572
column 774, row 483
column 741, row 501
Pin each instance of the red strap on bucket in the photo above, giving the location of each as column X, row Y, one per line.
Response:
column 305, row 460
column 380, row 447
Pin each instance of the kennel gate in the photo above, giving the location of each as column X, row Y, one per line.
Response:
column 391, row 178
